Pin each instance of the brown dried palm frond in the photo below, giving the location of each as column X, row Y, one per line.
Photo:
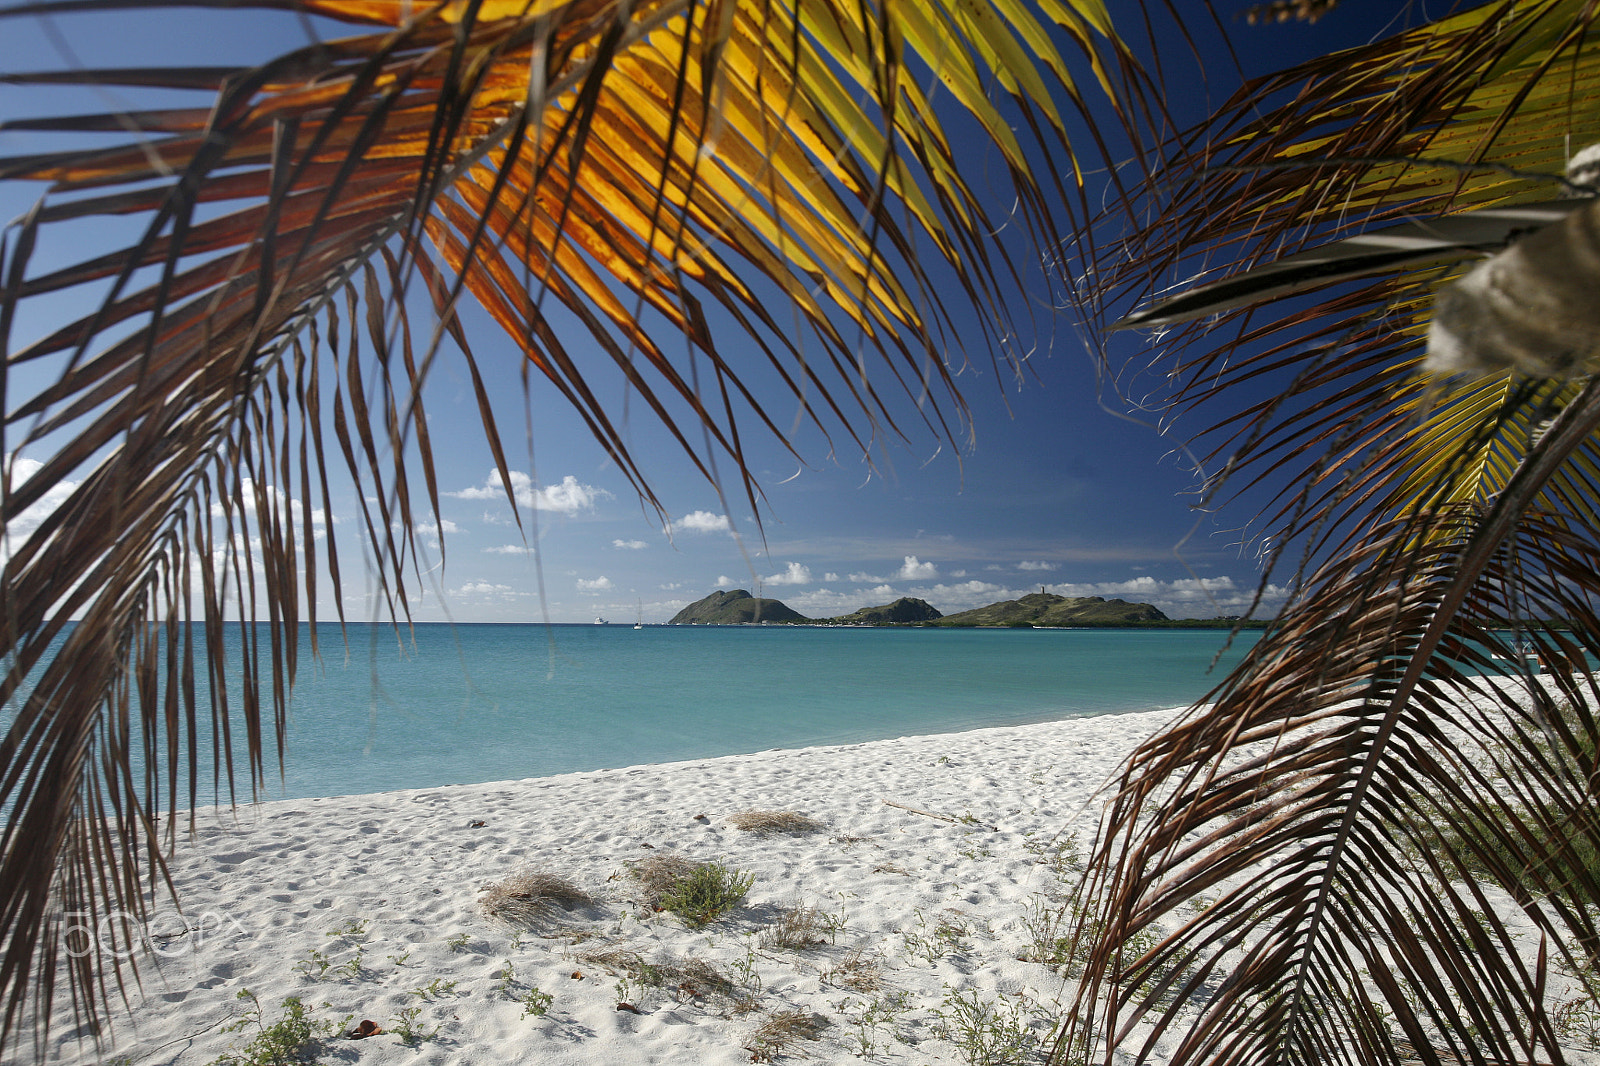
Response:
column 1382, row 766
column 596, row 175
column 1362, row 781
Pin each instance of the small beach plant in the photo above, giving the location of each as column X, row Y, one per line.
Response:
column 535, row 1002
column 1577, row 1022
column 939, row 937
column 749, row 976
column 988, row 1032
column 289, row 1039
column 875, row 1021
column 781, row 1030
column 707, row 893
column 315, row 965
column 319, row 965
column 354, row 929
column 860, row 970
column 435, row 989
column 409, row 1029
column 800, row 927
column 658, row 872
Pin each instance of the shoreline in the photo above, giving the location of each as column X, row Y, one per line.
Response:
column 1139, row 724
column 1047, row 718
column 368, row 906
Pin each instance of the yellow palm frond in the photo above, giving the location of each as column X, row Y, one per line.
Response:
column 618, row 185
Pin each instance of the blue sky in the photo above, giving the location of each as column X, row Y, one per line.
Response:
column 1054, row 489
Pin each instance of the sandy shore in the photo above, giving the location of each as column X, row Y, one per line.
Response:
column 897, row 929
column 368, row 907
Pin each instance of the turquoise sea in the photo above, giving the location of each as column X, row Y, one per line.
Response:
column 446, row 704
column 470, row 703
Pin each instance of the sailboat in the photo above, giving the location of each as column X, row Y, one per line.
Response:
column 640, row 623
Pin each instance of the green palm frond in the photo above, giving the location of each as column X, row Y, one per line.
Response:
column 1382, row 763
column 1420, row 125
column 605, row 179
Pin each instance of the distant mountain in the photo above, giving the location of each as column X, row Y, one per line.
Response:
column 732, row 608
column 901, row 611
column 1035, row 609
column 1048, row 609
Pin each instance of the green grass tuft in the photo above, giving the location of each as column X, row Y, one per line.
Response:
column 706, row 893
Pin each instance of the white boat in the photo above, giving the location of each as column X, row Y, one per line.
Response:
column 1523, row 649
column 599, row 621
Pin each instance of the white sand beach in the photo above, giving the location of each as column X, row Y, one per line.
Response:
column 913, row 910
column 368, row 909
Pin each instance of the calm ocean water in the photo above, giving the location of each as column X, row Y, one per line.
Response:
column 471, row 703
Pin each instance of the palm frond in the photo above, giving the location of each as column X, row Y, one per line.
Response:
column 1382, row 771
column 598, row 176
column 1361, row 786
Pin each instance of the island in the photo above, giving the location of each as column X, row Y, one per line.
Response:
column 1037, row 609
column 733, row 608
column 1046, row 609
column 905, row 611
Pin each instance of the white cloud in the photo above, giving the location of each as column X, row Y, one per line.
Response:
column 494, row 488
column 276, row 500
column 724, row 581
column 796, row 574
column 599, row 584
column 1197, row 597
column 830, row 576
column 914, row 570
column 568, row 497
column 882, row 592
column 481, row 588
column 629, row 545
column 824, row 603
column 509, row 549
column 958, row 573
column 968, row 589
column 429, row 531
column 1026, row 565
column 865, row 579
column 702, row 522
column 21, row 527
column 671, row 586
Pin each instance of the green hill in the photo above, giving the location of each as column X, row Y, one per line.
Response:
column 734, row 608
column 1048, row 609
column 905, row 609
